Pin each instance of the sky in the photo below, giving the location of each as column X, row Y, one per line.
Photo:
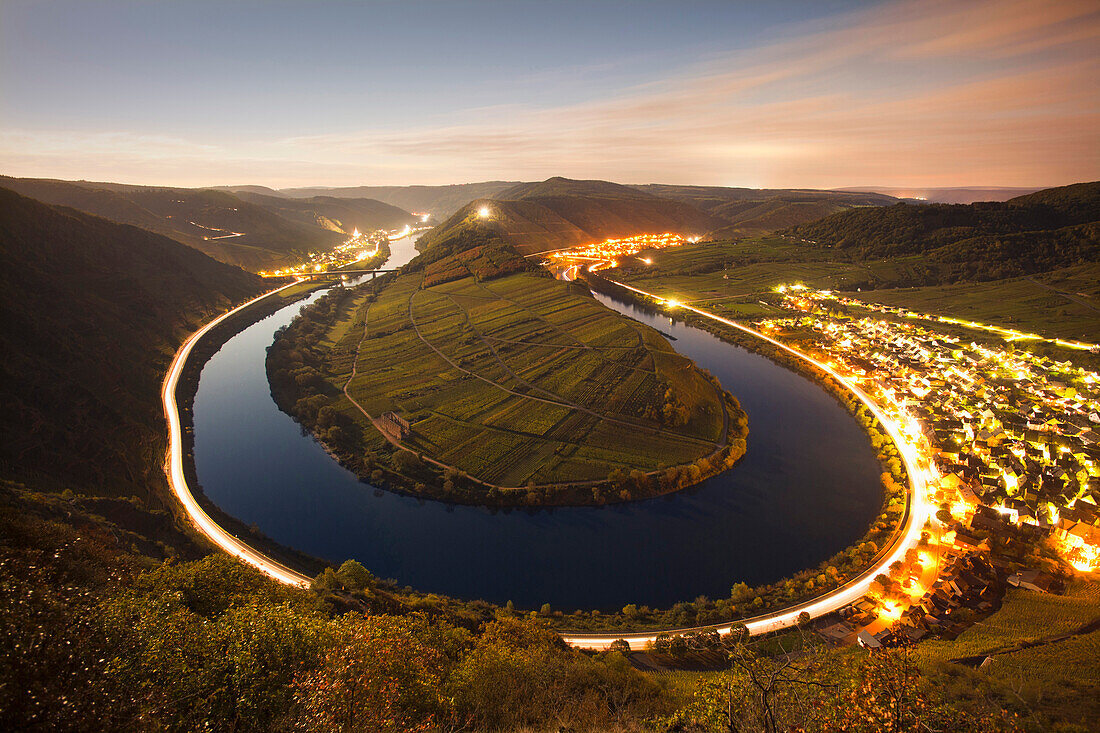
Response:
column 822, row 94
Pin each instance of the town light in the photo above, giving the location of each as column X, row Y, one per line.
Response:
column 483, row 212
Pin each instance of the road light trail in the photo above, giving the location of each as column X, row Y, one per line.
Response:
column 907, row 536
column 174, row 466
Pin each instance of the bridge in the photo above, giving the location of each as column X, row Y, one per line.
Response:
column 331, row 274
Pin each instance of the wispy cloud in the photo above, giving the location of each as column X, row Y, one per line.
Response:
column 933, row 93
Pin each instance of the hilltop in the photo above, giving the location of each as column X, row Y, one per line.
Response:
column 560, row 212
column 735, row 212
column 93, row 311
column 341, row 215
column 439, row 201
column 1057, row 227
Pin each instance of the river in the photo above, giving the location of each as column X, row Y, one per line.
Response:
column 807, row 488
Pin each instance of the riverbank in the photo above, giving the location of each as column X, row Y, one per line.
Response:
column 186, row 388
column 679, row 617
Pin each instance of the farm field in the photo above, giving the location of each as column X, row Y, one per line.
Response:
column 1024, row 616
column 1056, row 679
column 523, row 380
column 732, row 278
column 1063, row 304
column 729, row 268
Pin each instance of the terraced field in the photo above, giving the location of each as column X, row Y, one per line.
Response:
column 525, row 380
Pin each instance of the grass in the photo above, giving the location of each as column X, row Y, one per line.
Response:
column 521, row 379
column 740, row 268
column 735, row 279
column 1063, row 303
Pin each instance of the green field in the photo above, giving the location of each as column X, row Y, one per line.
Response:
column 732, row 277
column 522, row 379
column 1062, row 304
column 745, row 267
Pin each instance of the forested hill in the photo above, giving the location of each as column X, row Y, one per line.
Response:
column 335, row 214
column 93, row 311
column 439, row 201
column 1032, row 233
column 215, row 222
column 752, row 211
column 559, row 212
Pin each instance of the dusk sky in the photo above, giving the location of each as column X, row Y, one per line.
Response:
column 814, row 94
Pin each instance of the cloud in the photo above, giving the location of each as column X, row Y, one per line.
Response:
column 926, row 94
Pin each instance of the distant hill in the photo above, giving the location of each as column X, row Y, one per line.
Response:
column 93, row 311
column 560, row 212
column 738, row 212
column 1041, row 231
column 335, row 214
column 439, row 201
column 215, row 222
column 957, row 195
column 752, row 211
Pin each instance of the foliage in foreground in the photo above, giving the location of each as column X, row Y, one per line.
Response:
column 93, row 633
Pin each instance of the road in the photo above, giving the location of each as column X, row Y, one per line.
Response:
column 174, row 464
column 905, row 537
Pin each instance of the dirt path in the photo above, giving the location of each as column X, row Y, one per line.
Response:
column 1072, row 297
column 976, row 659
column 559, row 402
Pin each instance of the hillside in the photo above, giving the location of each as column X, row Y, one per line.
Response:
column 1037, row 232
column 342, row 215
column 439, row 201
column 93, row 311
column 560, row 212
column 750, row 211
column 215, row 222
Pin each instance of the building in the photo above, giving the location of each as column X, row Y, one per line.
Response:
column 1032, row 580
column 393, row 426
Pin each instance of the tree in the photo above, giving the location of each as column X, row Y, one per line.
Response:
column 621, row 646
column 383, row 673
column 407, row 462
column 354, row 576
column 759, row 693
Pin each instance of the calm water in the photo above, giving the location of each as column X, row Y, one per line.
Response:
column 807, row 487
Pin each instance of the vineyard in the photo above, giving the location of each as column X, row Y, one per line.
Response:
column 519, row 380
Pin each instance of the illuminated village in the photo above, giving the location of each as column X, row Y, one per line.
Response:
column 358, row 247
column 607, row 253
column 1015, row 442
